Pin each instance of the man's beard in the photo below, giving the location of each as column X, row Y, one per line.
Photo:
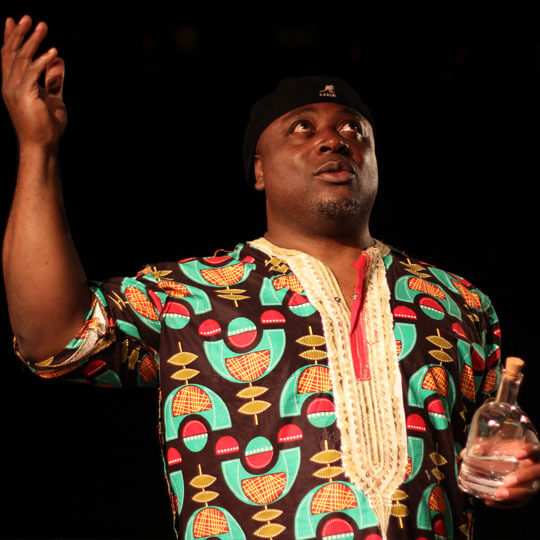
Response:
column 342, row 209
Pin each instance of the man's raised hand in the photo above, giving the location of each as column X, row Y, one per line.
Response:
column 38, row 113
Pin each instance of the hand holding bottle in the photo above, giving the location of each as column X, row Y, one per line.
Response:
column 501, row 462
column 522, row 484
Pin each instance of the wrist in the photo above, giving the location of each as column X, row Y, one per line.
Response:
column 38, row 162
column 38, row 150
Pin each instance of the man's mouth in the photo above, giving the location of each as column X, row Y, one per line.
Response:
column 335, row 171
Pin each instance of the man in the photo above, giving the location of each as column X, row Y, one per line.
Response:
column 314, row 382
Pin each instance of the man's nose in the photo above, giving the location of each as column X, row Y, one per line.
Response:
column 331, row 141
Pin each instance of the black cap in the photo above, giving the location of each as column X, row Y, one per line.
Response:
column 290, row 94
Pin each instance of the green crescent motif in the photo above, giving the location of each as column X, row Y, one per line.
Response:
column 131, row 282
column 234, row 473
column 424, row 515
column 176, row 479
column 446, row 279
column 196, row 298
column 234, row 531
column 218, row 353
column 404, row 293
column 464, row 357
column 406, row 334
column 306, row 522
column 415, row 450
column 217, row 416
column 269, row 296
column 417, row 395
column 193, row 270
column 291, row 402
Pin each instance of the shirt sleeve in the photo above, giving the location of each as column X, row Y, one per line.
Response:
column 119, row 342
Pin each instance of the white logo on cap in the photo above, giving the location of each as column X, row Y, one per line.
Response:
column 328, row 91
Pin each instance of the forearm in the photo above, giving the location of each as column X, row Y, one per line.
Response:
column 45, row 283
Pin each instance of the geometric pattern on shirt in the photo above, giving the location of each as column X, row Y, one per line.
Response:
column 288, row 282
column 140, row 303
column 417, row 284
column 264, row 489
column 436, row 379
column 248, row 367
column 224, row 276
column 210, row 522
column 472, row 299
column 190, row 399
column 333, row 497
column 467, row 385
column 310, row 379
column 437, row 501
column 315, row 379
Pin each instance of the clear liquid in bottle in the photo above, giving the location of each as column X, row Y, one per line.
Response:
column 498, row 428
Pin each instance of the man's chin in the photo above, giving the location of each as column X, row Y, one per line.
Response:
column 345, row 208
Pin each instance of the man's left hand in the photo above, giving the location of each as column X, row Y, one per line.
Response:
column 522, row 484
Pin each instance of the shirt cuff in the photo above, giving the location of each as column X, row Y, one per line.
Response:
column 96, row 335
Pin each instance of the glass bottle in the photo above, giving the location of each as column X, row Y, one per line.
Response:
column 498, row 427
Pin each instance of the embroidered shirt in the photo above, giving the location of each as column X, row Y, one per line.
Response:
column 285, row 415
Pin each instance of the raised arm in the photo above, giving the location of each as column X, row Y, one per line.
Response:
column 45, row 283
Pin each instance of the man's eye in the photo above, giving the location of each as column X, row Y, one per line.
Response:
column 352, row 126
column 302, row 126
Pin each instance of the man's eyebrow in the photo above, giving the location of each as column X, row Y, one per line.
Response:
column 309, row 109
column 298, row 112
column 352, row 112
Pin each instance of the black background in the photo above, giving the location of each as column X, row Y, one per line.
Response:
column 158, row 99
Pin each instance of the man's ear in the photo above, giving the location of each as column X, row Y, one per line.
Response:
column 258, row 171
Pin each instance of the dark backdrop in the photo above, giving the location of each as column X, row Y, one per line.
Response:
column 158, row 100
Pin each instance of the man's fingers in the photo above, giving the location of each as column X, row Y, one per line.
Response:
column 29, row 48
column 16, row 36
column 23, row 57
column 8, row 28
column 523, row 475
column 36, row 68
column 12, row 44
column 505, row 505
column 514, row 494
column 54, row 77
column 526, row 450
column 7, row 59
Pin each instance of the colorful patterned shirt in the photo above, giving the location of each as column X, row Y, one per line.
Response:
column 285, row 414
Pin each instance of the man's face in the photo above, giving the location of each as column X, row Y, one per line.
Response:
column 318, row 169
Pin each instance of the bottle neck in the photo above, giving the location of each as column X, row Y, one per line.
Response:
column 508, row 388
